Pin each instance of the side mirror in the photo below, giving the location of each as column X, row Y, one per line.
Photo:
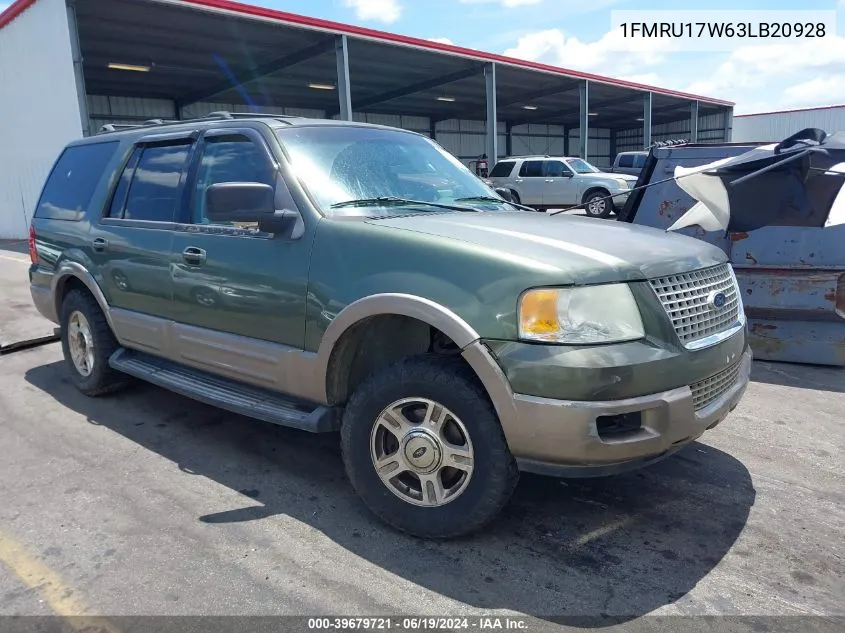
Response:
column 239, row 202
column 567, row 174
column 248, row 202
column 504, row 193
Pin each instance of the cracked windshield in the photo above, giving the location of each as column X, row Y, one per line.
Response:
column 387, row 172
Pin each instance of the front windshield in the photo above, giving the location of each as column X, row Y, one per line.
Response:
column 342, row 163
column 580, row 166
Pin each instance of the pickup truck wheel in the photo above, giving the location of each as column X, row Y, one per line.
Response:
column 87, row 343
column 424, row 449
column 515, row 196
column 597, row 205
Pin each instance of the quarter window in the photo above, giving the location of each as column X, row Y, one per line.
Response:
column 71, row 184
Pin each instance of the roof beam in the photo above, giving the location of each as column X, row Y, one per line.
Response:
column 525, row 97
column 547, row 116
column 419, row 86
column 247, row 75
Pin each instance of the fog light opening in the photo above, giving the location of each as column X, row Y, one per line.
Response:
column 615, row 427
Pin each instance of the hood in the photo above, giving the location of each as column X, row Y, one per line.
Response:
column 584, row 250
column 605, row 174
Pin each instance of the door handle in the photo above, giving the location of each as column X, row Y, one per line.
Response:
column 518, row 180
column 100, row 244
column 194, row 255
column 550, row 179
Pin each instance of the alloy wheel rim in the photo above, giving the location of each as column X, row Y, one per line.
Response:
column 422, row 452
column 80, row 343
column 596, row 207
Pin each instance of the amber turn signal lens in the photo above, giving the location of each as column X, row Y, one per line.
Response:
column 538, row 312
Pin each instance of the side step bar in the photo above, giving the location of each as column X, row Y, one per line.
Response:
column 231, row 395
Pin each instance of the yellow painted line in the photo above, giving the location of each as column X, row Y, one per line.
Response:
column 604, row 530
column 61, row 599
column 20, row 260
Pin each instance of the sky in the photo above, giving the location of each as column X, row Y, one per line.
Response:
column 575, row 34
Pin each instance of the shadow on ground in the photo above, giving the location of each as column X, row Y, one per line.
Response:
column 817, row 377
column 619, row 547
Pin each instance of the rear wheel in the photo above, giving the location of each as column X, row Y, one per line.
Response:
column 597, row 204
column 424, row 449
column 87, row 344
column 515, row 196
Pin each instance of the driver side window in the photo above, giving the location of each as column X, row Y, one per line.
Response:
column 556, row 169
column 230, row 158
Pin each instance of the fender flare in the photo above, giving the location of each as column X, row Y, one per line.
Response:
column 74, row 269
column 474, row 352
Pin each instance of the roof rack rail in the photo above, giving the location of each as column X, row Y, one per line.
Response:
column 219, row 115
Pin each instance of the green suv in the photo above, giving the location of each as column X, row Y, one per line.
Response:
column 328, row 275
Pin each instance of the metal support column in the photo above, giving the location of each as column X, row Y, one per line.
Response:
column 432, row 129
column 81, row 93
column 612, row 146
column 344, row 95
column 693, row 122
column 647, row 120
column 508, row 139
column 566, row 131
column 492, row 144
column 584, row 120
column 729, row 124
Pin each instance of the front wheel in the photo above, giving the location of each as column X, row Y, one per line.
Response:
column 424, row 449
column 598, row 204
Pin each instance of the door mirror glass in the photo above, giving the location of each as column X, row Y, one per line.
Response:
column 239, row 202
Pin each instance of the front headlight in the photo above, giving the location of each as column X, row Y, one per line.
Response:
column 580, row 316
column 623, row 184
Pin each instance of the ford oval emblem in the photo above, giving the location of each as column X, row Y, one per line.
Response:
column 419, row 452
column 717, row 300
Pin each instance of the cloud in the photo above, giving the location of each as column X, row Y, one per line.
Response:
column 387, row 11
column 441, row 40
column 602, row 56
column 783, row 68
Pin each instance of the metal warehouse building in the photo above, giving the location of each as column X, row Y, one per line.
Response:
column 776, row 126
column 69, row 67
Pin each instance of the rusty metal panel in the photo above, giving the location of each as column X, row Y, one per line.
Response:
column 792, row 279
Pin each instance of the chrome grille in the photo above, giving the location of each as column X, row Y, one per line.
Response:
column 685, row 299
column 706, row 391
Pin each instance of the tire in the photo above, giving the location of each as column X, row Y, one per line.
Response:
column 602, row 207
column 81, row 316
column 478, row 496
column 516, row 197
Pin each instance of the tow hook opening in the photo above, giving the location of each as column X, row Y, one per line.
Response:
column 619, row 426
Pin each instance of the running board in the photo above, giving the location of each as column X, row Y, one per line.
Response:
column 231, row 395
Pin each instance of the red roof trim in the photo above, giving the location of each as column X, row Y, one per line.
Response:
column 301, row 20
column 14, row 10
column 19, row 6
column 830, row 107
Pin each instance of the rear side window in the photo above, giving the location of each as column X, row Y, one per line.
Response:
column 626, row 160
column 502, row 169
column 70, row 186
column 531, row 169
column 154, row 191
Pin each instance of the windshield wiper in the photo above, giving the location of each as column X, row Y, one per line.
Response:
column 493, row 199
column 391, row 200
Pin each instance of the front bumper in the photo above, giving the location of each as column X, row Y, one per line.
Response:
column 561, row 437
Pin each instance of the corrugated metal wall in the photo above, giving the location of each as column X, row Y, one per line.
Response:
column 463, row 138
column 41, row 90
column 779, row 125
column 711, row 129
